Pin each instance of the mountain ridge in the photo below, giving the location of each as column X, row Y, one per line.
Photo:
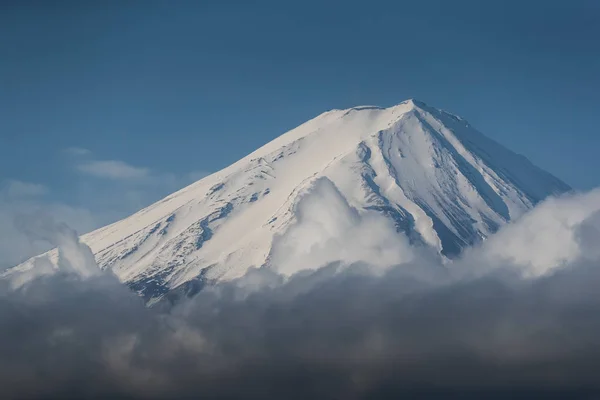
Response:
column 438, row 180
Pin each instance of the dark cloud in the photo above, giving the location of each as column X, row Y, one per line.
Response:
column 422, row 329
column 346, row 336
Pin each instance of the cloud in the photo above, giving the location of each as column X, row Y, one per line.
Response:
column 16, row 246
column 77, row 151
column 18, row 199
column 546, row 238
column 482, row 326
column 15, row 189
column 117, row 170
column 87, row 204
column 113, row 169
column 73, row 256
column 328, row 229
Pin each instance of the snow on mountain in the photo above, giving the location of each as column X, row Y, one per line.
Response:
column 428, row 173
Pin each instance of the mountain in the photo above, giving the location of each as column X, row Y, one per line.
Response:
column 429, row 172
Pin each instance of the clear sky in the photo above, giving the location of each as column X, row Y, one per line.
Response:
column 108, row 105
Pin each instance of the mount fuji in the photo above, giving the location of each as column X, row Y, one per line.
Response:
column 427, row 172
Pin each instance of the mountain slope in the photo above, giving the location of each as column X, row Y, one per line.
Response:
column 435, row 177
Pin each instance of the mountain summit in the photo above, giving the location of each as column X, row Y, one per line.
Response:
column 432, row 175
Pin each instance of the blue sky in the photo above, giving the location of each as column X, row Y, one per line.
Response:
column 106, row 106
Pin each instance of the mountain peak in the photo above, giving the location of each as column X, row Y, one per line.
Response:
column 436, row 180
column 415, row 103
column 411, row 103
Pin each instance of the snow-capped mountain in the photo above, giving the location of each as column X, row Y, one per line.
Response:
column 429, row 172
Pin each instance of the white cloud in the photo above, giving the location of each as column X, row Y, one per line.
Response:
column 73, row 256
column 16, row 246
column 15, row 188
column 328, row 230
column 113, row 169
column 123, row 190
column 547, row 237
column 118, row 170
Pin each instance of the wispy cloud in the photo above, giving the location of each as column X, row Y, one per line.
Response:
column 120, row 190
column 77, row 151
column 15, row 188
column 16, row 247
column 119, row 170
column 113, row 169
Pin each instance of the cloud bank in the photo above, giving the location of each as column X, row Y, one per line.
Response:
column 518, row 317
